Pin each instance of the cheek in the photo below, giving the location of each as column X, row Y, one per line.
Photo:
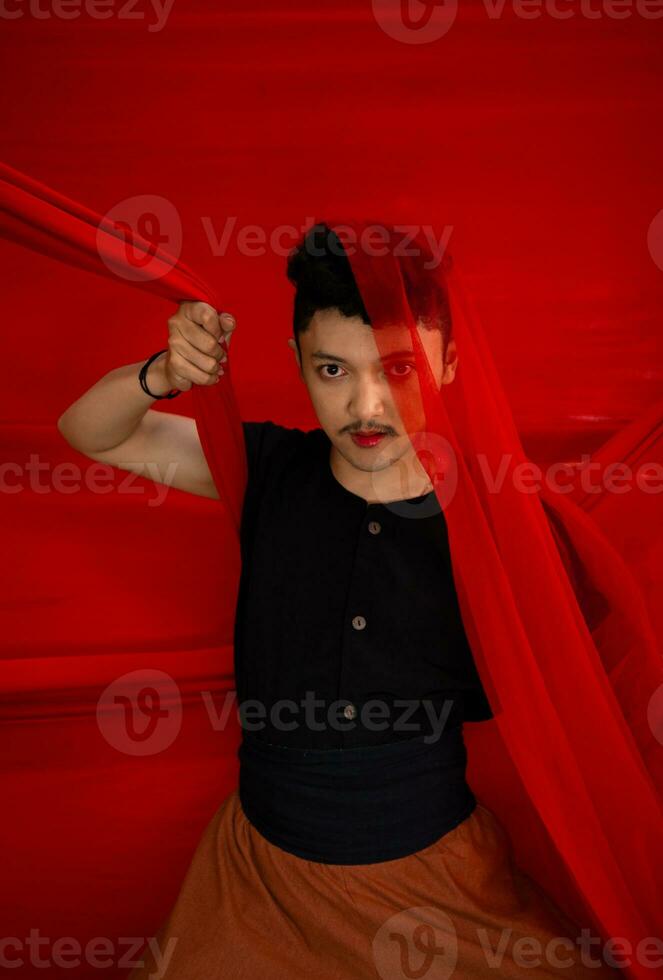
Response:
column 323, row 394
column 324, row 388
column 407, row 404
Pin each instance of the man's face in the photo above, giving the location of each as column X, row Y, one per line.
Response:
column 350, row 383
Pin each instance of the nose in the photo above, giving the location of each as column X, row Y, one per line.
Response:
column 367, row 401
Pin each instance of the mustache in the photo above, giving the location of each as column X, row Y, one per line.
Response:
column 370, row 428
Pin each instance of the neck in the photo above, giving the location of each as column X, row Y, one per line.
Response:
column 403, row 479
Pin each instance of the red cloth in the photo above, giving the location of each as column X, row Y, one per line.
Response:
column 571, row 727
column 573, row 747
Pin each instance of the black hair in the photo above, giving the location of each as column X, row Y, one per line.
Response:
column 320, row 271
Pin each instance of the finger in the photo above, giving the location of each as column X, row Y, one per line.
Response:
column 228, row 324
column 205, row 316
column 210, row 321
column 189, row 371
column 180, row 347
column 188, row 337
column 193, row 309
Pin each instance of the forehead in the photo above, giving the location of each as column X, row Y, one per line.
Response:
column 353, row 340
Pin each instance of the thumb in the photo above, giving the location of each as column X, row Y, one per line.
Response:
column 228, row 324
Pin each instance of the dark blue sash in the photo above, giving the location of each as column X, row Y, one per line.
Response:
column 359, row 805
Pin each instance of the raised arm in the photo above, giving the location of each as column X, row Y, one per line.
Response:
column 111, row 421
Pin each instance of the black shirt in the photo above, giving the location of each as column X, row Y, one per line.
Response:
column 351, row 602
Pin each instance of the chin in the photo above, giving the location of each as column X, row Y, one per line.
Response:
column 381, row 462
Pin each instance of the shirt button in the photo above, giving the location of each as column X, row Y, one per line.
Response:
column 374, row 527
column 359, row 622
column 350, row 711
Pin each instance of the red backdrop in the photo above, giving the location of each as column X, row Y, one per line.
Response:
column 535, row 140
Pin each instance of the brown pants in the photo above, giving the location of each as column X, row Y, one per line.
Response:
column 460, row 909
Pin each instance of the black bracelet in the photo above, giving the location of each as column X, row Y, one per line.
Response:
column 142, row 375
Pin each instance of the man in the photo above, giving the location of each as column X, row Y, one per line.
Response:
column 354, row 846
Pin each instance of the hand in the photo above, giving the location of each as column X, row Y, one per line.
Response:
column 197, row 345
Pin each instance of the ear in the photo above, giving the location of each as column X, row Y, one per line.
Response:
column 293, row 346
column 450, row 363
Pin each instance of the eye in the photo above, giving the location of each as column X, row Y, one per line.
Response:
column 409, row 367
column 334, row 367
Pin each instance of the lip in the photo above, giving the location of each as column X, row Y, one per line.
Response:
column 368, row 440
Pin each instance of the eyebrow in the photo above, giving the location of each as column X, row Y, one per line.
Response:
column 322, row 355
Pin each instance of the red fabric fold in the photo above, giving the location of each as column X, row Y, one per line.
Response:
column 578, row 736
column 39, row 218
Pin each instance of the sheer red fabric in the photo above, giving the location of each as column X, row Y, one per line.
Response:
column 36, row 216
column 575, row 727
column 571, row 759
